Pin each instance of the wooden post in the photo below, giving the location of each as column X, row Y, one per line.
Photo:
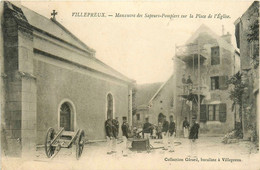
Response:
column 175, row 113
column 198, row 118
column 193, row 65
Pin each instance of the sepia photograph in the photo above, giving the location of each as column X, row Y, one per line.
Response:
column 130, row 84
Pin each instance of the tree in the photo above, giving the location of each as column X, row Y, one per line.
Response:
column 236, row 94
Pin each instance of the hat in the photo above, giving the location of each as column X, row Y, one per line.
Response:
column 171, row 116
column 124, row 118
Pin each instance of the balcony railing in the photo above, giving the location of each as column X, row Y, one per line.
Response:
column 190, row 52
column 187, row 89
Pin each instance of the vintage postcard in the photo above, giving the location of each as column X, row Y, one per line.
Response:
column 130, row 84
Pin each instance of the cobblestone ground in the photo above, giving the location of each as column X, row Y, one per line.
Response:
column 244, row 155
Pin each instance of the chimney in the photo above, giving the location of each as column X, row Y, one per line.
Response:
column 227, row 37
column 223, row 30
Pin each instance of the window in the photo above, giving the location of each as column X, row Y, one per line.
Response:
column 214, row 83
column 213, row 112
column 109, row 106
column 215, row 58
column 66, row 115
column 137, row 116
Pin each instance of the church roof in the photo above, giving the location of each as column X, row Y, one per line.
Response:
column 160, row 89
column 144, row 93
column 54, row 29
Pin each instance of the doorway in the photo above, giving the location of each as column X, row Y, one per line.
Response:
column 65, row 117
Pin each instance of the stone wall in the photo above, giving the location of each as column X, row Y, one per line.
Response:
column 250, row 74
column 58, row 81
column 20, row 89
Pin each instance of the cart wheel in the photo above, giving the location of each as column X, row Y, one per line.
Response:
column 80, row 143
column 49, row 150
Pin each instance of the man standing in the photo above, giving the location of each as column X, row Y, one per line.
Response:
column 115, row 131
column 189, row 82
column 194, row 131
column 147, row 129
column 186, row 126
column 125, row 130
column 109, row 135
column 165, row 129
column 172, row 133
column 183, row 79
column 115, row 127
column 184, row 83
column 159, row 130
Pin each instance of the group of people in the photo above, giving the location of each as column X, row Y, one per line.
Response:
column 112, row 131
column 167, row 132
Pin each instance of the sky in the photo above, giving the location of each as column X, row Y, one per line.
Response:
column 139, row 47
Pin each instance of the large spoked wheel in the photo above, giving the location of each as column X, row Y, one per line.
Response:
column 49, row 150
column 80, row 142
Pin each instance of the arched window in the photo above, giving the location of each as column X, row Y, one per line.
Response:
column 66, row 116
column 110, row 106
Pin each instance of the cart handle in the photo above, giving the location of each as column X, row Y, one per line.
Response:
column 58, row 134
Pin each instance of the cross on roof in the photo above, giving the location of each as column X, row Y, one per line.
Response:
column 53, row 14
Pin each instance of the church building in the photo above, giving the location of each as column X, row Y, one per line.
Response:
column 50, row 78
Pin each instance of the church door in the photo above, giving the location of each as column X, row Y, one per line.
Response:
column 65, row 117
column 109, row 106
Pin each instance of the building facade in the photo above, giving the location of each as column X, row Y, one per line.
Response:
column 144, row 93
column 161, row 104
column 209, row 60
column 50, row 78
column 247, row 37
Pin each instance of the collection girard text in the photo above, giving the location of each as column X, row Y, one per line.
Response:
column 188, row 159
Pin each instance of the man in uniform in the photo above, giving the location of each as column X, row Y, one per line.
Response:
column 165, row 129
column 186, row 126
column 159, row 130
column 184, row 83
column 147, row 129
column 172, row 133
column 125, row 130
column 109, row 135
column 115, row 127
column 194, row 131
column 189, row 82
column 115, row 130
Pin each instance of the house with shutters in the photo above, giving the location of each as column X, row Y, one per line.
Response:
column 209, row 60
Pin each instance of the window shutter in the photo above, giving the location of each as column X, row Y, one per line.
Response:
column 203, row 113
column 223, row 82
column 222, row 112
